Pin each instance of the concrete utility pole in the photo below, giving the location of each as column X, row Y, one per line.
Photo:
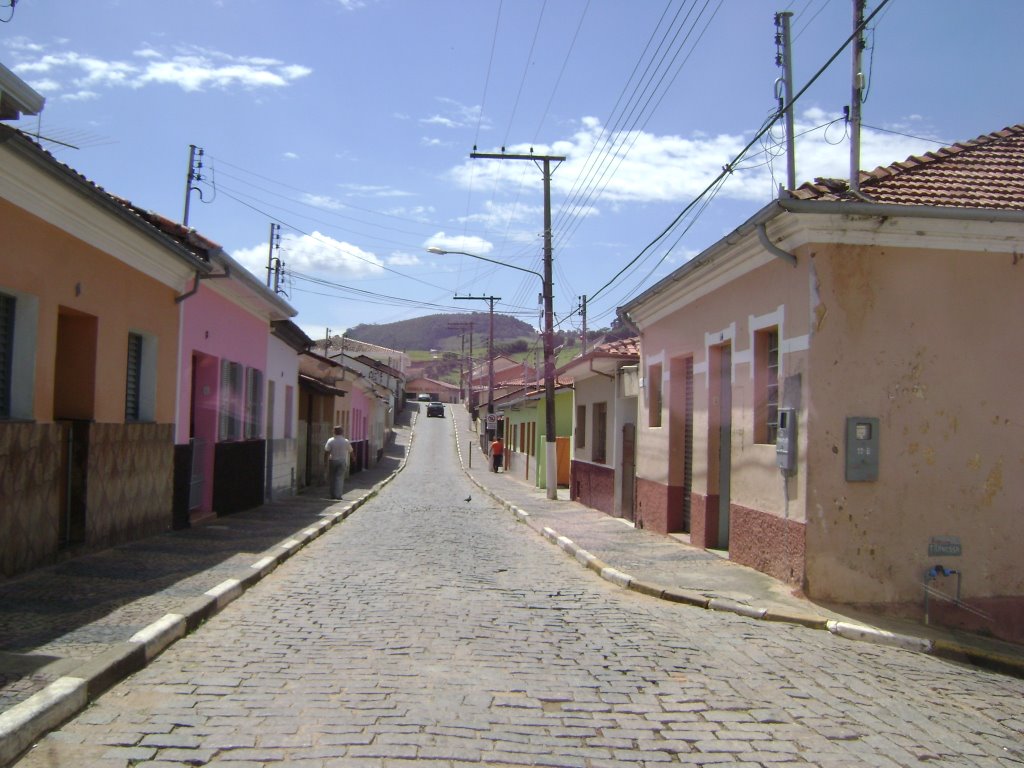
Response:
column 195, row 167
column 783, row 19
column 856, row 96
column 489, row 429
column 583, row 315
column 551, row 450
column 272, row 269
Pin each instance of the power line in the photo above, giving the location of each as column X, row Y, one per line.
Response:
column 728, row 168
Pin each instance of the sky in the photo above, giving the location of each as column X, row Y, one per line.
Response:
column 350, row 124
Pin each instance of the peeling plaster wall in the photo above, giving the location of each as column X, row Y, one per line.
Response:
column 929, row 343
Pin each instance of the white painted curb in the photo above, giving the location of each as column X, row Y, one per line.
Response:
column 25, row 722
column 160, row 634
column 879, row 636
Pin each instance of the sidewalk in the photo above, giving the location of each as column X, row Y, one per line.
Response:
column 668, row 568
column 70, row 631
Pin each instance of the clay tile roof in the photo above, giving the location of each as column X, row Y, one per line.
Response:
column 986, row 172
column 622, row 348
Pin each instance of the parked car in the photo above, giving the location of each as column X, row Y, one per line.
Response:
column 423, row 397
column 435, row 409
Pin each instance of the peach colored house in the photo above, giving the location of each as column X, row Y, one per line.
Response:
column 88, row 359
column 832, row 392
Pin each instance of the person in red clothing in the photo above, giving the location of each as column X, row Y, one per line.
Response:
column 497, row 454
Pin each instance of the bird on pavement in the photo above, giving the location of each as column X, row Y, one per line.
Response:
column 469, row 498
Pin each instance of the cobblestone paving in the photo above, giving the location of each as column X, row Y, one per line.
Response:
column 77, row 609
column 439, row 631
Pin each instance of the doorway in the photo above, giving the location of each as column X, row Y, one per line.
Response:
column 74, row 403
column 719, row 444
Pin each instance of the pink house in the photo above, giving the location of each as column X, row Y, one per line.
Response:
column 220, row 414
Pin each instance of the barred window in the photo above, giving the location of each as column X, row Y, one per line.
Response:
column 133, row 379
column 766, row 385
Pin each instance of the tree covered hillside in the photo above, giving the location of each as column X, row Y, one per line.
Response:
column 435, row 331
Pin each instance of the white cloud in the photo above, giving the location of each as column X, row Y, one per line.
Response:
column 640, row 167
column 290, row 156
column 427, row 142
column 373, row 190
column 399, row 259
column 190, row 69
column 447, row 122
column 80, row 96
column 468, row 243
column 500, row 215
column 315, row 253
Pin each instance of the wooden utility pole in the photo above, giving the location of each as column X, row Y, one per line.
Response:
column 551, row 452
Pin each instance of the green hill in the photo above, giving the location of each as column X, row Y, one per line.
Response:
column 436, row 331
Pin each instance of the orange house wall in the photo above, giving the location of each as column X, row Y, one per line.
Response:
column 61, row 271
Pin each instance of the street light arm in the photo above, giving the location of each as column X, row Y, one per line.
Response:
column 441, row 252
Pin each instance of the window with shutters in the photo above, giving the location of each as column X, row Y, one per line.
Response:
column 7, row 306
column 581, row 426
column 654, row 396
column 600, row 423
column 766, row 385
column 253, row 403
column 133, row 379
column 230, row 400
column 289, row 411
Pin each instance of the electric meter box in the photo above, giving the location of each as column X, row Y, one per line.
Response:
column 785, row 441
column 861, row 449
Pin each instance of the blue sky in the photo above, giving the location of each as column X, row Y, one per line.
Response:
column 350, row 122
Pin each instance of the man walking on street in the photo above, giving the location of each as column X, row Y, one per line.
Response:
column 338, row 451
column 497, row 451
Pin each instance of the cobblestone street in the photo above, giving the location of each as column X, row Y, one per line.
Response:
column 431, row 626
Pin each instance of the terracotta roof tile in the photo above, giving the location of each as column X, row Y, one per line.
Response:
column 986, row 172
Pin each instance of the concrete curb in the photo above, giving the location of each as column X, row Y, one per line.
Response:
column 26, row 722
column 846, row 630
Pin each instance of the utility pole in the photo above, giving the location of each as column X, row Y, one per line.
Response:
column 463, row 327
column 583, row 315
column 856, row 96
column 551, row 454
column 275, row 244
column 195, row 167
column 784, row 59
column 488, row 428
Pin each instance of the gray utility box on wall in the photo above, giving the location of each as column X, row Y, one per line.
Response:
column 861, row 449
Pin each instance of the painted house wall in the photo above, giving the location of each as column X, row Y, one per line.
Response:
column 282, row 417
column 729, row 309
column 936, row 364
column 214, row 325
column 521, row 453
column 75, row 307
column 98, row 285
column 563, row 429
column 599, row 484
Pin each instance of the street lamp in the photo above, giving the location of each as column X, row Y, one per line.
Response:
column 551, row 453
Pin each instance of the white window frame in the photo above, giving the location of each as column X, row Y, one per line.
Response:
column 23, row 355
